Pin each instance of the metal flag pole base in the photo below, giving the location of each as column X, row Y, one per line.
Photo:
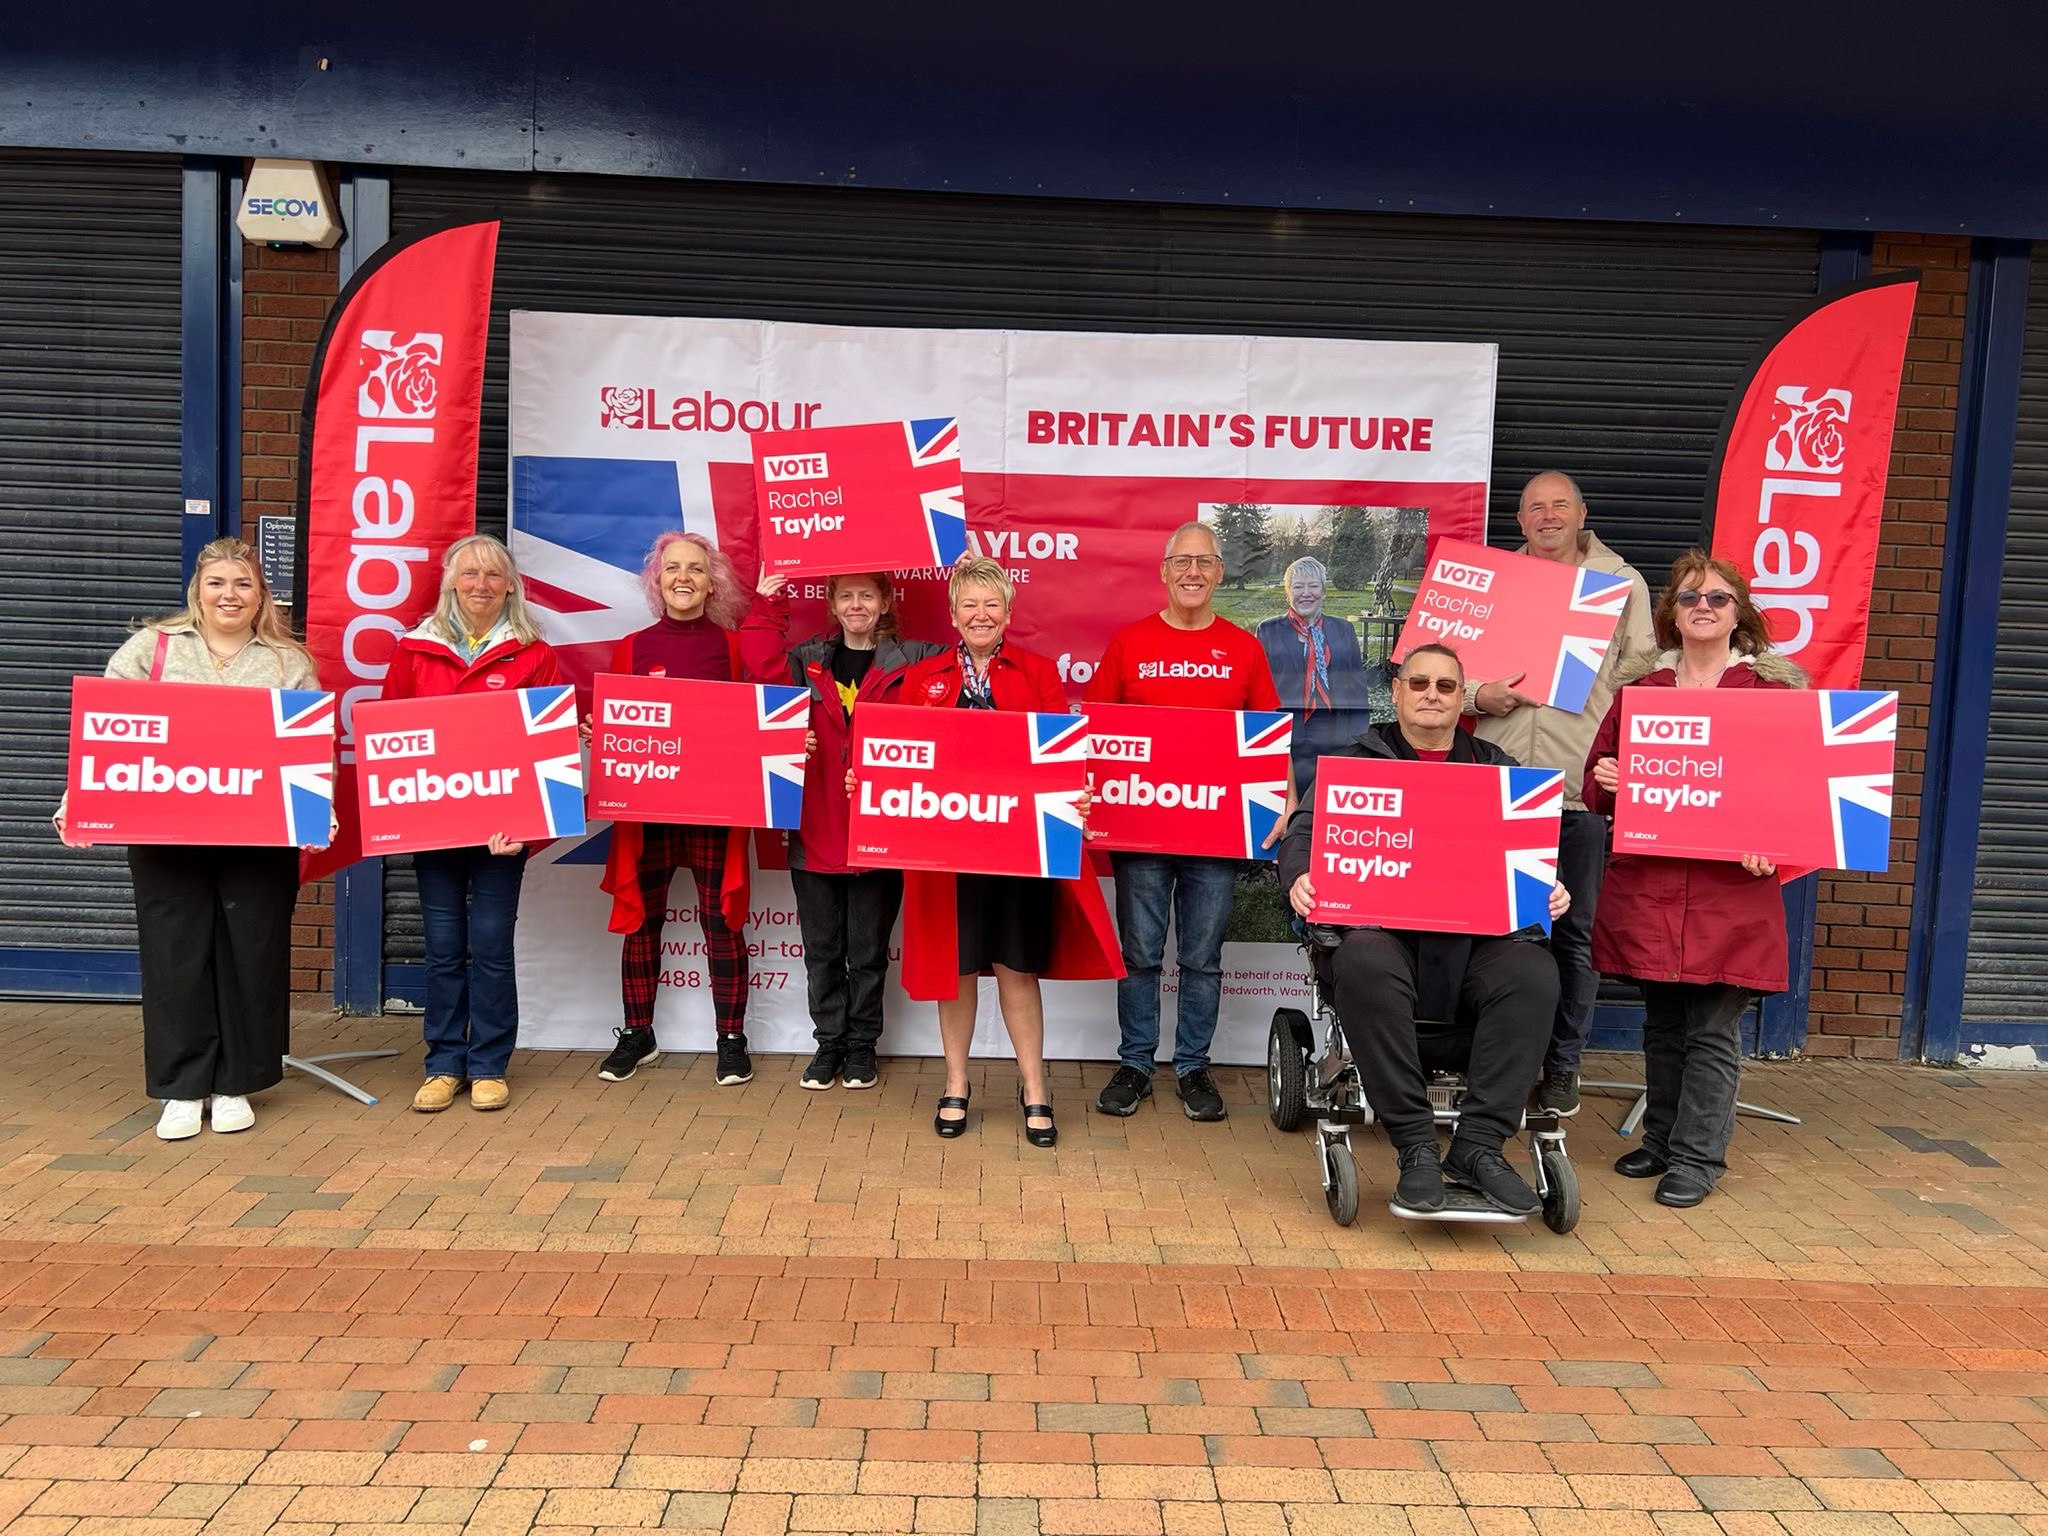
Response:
column 314, row 1066
column 1633, row 1120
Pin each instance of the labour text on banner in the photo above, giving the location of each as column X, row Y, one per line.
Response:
column 193, row 763
column 1441, row 847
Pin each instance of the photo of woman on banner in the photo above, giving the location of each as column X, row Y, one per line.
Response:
column 1318, row 668
column 959, row 927
column 846, row 915
column 1701, row 937
column 213, row 926
column 480, row 636
column 697, row 601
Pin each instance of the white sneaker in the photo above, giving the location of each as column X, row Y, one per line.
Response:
column 180, row 1119
column 231, row 1112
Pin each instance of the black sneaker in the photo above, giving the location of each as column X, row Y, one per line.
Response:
column 823, row 1071
column 1198, row 1096
column 635, row 1047
column 1421, row 1186
column 1558, row 1094
column 861, row 1071
column 1484, row 1169
column 1120, row 1095
column 734, row 1064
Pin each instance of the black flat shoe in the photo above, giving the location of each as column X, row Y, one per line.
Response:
column 1038, row 1138
column 951, row 1128
column 1640, row 1163
column 1681, row 1191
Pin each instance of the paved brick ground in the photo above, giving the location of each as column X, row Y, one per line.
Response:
column 664, row 1304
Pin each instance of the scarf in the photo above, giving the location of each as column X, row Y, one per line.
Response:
column 975, row 687
column 1315, row 680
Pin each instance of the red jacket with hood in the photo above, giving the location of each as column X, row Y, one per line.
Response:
column 1692, row 920
column 1084, row 944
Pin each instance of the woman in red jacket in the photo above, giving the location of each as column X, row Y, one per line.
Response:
column 846, row 914
column 479, row 636
column 960, row 927
column 696, row 598
column 1701, row 936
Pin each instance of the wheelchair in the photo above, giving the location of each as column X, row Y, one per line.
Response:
column 1304, row 1077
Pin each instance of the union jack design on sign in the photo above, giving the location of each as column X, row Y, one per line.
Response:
column 1860, row 804
column 1580, row 656
column 308, row 788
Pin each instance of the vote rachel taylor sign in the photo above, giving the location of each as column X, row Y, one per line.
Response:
column 883, row 496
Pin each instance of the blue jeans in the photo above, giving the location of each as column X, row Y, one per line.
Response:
column 469, row 905
column 1196, row 893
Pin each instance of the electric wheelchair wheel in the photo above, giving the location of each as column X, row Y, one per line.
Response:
column 1287, row 1069
column 1341, row 1191
column 1561, row 1192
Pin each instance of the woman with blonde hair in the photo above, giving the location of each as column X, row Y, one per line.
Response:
column 1701, row 937
column 479, row 638
column 213, row 925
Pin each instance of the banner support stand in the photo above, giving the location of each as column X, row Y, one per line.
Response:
column 314, row 1067
column 1633, row 1120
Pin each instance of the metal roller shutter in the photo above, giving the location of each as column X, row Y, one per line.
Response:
column 1619, row 345
column 2005, row 978
column 89, row 501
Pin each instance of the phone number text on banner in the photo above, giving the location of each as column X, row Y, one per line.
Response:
column 1801, row 776
column 1441, row 847
column 705, row 753
column 993, row 792
column 191, row 763
column 452, row 771
column 1211, row 782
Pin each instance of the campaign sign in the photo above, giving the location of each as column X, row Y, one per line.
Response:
column 449, row 772
column 1198, row 781
column 1444, row 847
column 991, row 792
column 713, row 754
column 1505, row 613
column 888, row 495
column 195, row 763
column 1801, row 776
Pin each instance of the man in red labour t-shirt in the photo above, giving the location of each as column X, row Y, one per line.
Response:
column 1183, row 656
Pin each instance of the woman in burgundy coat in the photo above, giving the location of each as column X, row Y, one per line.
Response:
column 1700, row 936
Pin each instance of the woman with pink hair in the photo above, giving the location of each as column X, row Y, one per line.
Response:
column 697, row 601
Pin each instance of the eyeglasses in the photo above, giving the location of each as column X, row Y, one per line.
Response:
column 1181, row 564
column 1690, row 598
column 1447, row 686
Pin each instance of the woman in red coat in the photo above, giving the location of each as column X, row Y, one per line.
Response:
column 960, row 927
column 1701, row 936
column 697, row 601
column 479, row 637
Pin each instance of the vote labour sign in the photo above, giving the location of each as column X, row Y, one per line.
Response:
column 992, row 792
column 1505, row 613
column 880, row 497
column 712, row 754
column 1801, row 776
column 1444, row 847
column 195, row 763
column 448, row 772
column 1197, row 781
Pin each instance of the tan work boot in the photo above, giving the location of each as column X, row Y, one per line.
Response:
column 489, row 1093
column 436, row 1094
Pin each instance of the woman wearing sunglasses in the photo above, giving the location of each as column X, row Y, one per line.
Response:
column 1700, row 936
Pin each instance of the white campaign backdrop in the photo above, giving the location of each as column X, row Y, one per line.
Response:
column 582, row 518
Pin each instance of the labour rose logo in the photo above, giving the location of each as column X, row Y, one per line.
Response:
column 1809, row 434
column 402, row 380
column 621, row 407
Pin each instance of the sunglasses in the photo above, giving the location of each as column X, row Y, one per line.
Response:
column 1447, row 686
column 1690, row 598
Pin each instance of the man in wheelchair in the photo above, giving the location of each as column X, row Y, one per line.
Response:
column 1485, row 1004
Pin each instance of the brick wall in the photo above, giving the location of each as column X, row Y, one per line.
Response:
column 1859, row 966
column 285, row 298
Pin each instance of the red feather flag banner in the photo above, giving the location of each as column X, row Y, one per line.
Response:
column 387, row 468
column 1799, row 474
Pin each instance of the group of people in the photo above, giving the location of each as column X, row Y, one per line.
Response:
column 1700, row 937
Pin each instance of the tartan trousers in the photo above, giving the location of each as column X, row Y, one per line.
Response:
column 665, row 848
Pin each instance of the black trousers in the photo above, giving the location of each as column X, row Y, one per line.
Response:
column 214, row 927
column 1507, row 1000
column 846, row 922
column 1692, row 1069
column 1581, row 866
